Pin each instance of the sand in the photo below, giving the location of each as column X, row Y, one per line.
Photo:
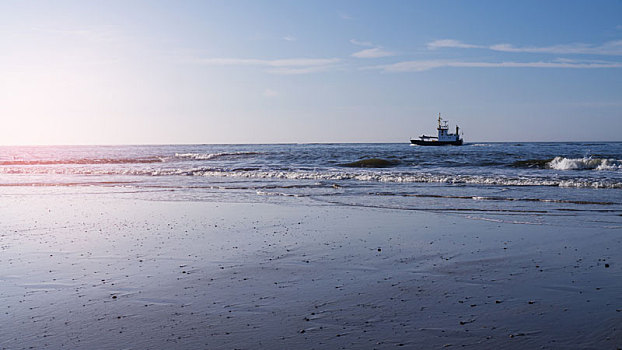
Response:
column 85, row 270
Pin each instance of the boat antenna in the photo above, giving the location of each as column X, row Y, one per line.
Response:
column 439, row 119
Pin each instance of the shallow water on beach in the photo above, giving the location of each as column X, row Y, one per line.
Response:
column 533, row 183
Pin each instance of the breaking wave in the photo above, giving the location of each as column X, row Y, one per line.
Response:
column 588, row 163
column 414, row 178
column 330, row 175
column 209, row 156
column 562, row 163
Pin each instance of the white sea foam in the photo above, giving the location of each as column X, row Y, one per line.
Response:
column 586, row 163
column 411, row 178
column 328, row 175
column 208, row 156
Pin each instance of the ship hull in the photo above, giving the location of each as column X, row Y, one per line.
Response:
column 436, row 143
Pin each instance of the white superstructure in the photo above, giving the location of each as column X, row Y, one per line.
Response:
column 443, row 131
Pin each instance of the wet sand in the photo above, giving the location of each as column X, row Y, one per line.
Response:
column 112, row 271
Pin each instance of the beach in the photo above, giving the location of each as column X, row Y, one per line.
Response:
column 310, row 175
column 86, row 267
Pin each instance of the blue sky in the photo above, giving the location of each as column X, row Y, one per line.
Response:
column 133, row 72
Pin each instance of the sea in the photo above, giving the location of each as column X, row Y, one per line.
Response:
column 557, row 184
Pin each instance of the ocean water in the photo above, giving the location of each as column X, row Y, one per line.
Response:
column 523, row 183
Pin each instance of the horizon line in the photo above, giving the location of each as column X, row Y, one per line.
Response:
column 284, row 143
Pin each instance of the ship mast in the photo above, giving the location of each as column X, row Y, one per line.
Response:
column 439, row 120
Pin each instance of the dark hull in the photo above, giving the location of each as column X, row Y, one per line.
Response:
column 436, row 143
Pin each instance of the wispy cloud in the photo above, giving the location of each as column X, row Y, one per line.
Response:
column 290, row 38
column 438, row 44
column 300, row 70
column 288, row 62
column 609, row 48
column 375, row 52
column 278, row 66
column 419, row 66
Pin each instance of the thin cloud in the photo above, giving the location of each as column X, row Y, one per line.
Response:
column 303, row 62
column 288, row 62
column 300, row 70
column 376, row 52
column 278, row 66
column 609, row 48
column 438, row 44
column 419, row 66
column 230, row 61
column 290, row 38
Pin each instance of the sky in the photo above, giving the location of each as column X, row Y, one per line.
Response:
column 165, row 72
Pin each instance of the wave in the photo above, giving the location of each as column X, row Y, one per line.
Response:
column 586, row 163
column 140, row 160
column 410, row 178
column 326, row 175
column 209, row 156
column 83, row 161
column 562, row 163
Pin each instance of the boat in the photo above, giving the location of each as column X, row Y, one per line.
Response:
column 444, row 138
